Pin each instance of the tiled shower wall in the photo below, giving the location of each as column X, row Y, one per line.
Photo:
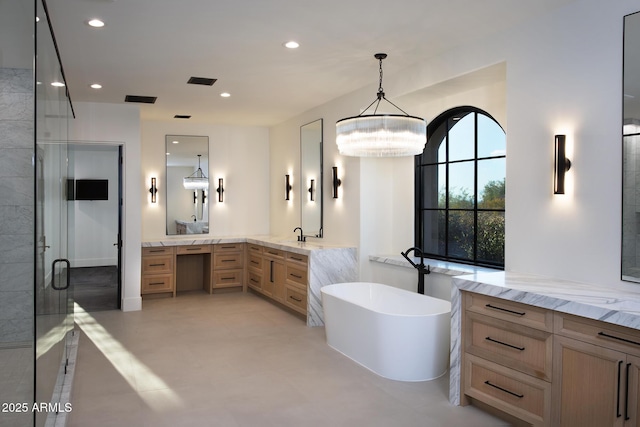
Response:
column 16, row 207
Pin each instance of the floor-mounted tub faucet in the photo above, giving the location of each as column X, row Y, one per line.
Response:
column 422, row 269
column 301, row 237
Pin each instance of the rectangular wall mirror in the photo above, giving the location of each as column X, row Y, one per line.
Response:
column 311, row 197
column 187, row 184
column 631, row 150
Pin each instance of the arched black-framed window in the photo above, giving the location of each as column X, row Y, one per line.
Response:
column 460, row 189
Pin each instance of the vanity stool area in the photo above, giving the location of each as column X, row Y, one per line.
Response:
column 544, row 352
column 287, row 273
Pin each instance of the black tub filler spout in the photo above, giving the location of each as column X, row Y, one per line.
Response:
column 422, row 269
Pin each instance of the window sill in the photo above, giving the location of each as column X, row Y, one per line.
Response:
column 436, row 266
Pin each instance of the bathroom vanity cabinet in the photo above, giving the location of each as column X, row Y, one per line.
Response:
column 289, row 273
column 548, row 368
column 279, row 275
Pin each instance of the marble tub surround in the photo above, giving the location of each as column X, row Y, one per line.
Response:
column 612, row 304
column 327, row 264
column 436, row 266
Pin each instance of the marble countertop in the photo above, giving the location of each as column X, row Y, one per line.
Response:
column 616, row 304
column 283, row 242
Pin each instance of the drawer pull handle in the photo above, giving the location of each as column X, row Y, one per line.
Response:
column 156, row 250
column 254, row 262
column 519, row 313
column 227, row 278
column 228, row 260
column 227, row 247
column 504, row 343
column 194, row 249
column 156, row 283
column 296, row 259
column 295, row 299
column 604, row 334
column 156, row 265
column 519, row 396
column 296, row 276
column 253, row 280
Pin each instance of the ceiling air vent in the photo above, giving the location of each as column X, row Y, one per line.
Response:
column 180, row 116
column 201, row 81
column 141, row 99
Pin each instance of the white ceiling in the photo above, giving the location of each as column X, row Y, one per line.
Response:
column 152, row 47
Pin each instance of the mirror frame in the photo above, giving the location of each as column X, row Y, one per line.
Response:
column 306, row 158
column 196, row 200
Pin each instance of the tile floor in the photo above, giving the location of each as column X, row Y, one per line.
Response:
column 237, row 360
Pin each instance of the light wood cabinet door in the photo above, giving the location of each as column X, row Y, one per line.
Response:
column 588, row 384
column 274, row 278
column 632, row 388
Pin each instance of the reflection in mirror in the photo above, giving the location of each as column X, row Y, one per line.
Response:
column 187, row 184
column 311, row 178
column 631, row 151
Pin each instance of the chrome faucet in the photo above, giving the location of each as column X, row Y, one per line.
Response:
column 422, row 269
column 301, row 237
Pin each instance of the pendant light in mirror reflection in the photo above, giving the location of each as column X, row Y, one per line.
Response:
column 220, row 190
column 562, row 164
column 197, row 180
column 153, row 190
column 381, row 135
column 336, row 182
column 287, row 187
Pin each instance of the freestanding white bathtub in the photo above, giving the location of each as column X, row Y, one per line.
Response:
column 395, row 333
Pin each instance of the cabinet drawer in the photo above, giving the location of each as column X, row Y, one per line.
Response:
column 157, row 264
column 522, row 314
column 193, row 249
column 254, row 249
column 296, row 299
column 254, row 281
column 255, row 262
column 274, row 253
column 227, row 247
column 517, row 394
column 524, row 349
column 227, row 261
column 155, row 284
column 293, row 257
column 227, row 278
column 296, row 275
column 599, row 333
column 157, row 251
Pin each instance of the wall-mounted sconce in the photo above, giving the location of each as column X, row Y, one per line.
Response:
column 220, row 190
column 204, row 196
column 562, row 164
column 153, row 190
column 287, row 187
column 312, row 190
column 195, row 197
column 336, row 181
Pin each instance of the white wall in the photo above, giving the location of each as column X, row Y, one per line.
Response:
column 238, row 154
column 119, row 125
column 93, row 224
column 563, row 75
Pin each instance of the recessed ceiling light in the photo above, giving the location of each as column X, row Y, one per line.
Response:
column 57, row 84
column 96, row 23
column 96, row 86
column 292, row 45
column 175, row 142
column 225, row 94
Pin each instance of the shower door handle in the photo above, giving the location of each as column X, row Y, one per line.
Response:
column 54, row 275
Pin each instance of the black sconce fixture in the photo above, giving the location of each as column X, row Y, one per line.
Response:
column 220, row 190
column 153, row 190
column 336, row 181
column 562, row 164
column 204, row 197
column 287, row 187
column 195, row 196
column 312, row 190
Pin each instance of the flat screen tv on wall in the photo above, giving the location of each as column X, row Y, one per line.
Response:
column 92, row 189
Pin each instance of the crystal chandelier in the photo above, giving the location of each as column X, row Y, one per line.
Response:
column 197, row 180
column 381, row 135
